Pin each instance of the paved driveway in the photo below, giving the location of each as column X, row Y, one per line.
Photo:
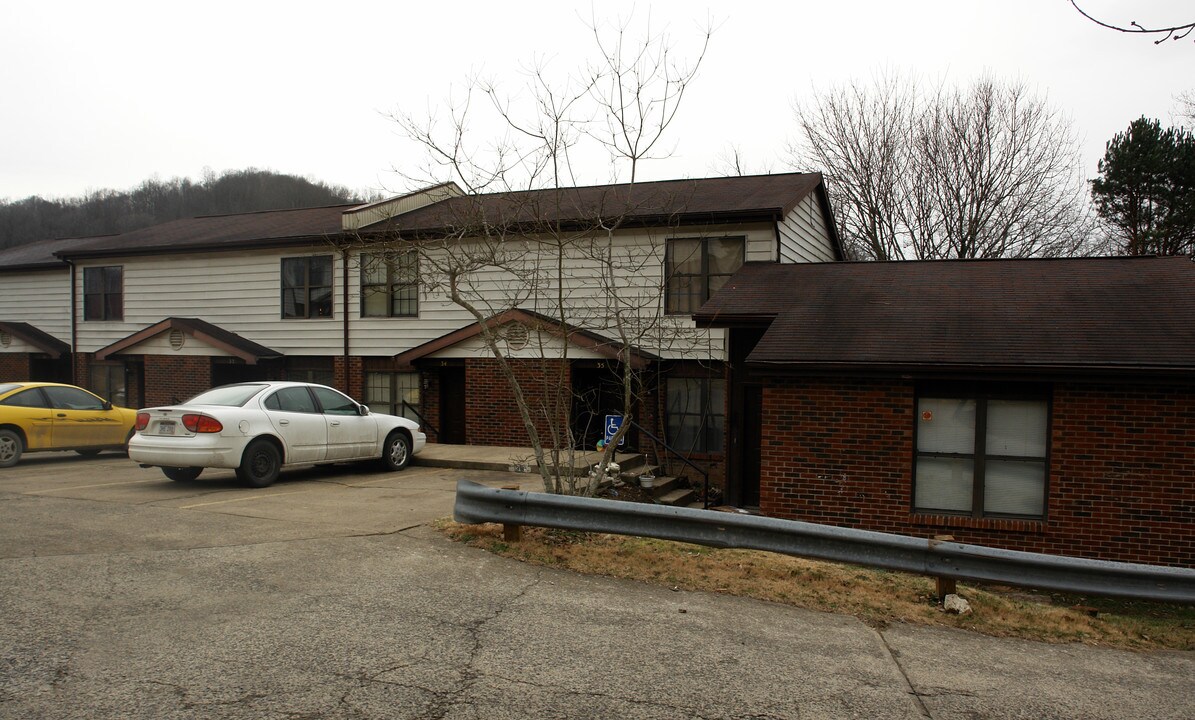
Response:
column 125, row 595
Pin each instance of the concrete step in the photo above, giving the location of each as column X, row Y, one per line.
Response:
column 677, row 497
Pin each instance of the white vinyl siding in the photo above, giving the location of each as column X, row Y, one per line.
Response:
column 238, row 291
column 41, row 298
column 804, row 235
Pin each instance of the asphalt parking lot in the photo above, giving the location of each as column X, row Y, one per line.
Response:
column 126, row 595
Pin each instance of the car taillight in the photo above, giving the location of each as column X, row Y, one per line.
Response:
column 197, row 423
column 142, row 420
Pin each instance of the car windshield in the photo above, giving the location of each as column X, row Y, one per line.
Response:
column 229, row 395
column 5, row 387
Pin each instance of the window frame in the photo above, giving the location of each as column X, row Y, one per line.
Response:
column 703, row 413
column 395, row 391
column 704, row 276
column 982, row 395
column 393, row 262
column 306, row 288
column 101, row 301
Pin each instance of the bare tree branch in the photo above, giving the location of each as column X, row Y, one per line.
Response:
column 1174, row 32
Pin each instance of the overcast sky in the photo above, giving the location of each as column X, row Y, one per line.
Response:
column 107, row 94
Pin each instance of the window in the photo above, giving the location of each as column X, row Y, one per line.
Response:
column 982, row 456
column 386, row 392
column 72, row 398
column 390, row 284
column 103, row 293
column 696, row 268
column 108, row 381
column 316, row 370
column 307, row 287
column 696, row 414
column 292, row 399
column 32, row 398
column 333, row 403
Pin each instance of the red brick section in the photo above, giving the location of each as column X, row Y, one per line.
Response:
column 173, row 378
column 14, row 366
column 1122, row 470
column 493, row 416
column 348, row 375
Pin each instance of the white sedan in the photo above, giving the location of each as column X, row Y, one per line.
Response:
column 257, row 428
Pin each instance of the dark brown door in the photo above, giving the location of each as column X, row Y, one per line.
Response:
column 452, row 405
column 752, row 445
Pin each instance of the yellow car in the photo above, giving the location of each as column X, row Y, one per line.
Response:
column 36, row 416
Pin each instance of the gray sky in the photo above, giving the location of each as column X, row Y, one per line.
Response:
column 104, row 95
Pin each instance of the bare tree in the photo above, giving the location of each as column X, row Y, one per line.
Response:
column 559, row 260
column 984, row 171
column 1171, row 32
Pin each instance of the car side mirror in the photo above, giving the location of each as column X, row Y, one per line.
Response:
column 363, row 410
column 107, row 405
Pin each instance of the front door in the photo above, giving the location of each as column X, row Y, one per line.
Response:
column 452, row 405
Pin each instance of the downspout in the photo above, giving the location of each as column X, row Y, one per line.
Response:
column 344, row 254
column 74, row 322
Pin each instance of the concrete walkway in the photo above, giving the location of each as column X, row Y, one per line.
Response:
column 500, row 458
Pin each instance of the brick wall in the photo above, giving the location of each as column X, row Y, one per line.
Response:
column 493, row 416
column 14, row 366
column 349, row 375
column 1122, row 484
column 174, row 378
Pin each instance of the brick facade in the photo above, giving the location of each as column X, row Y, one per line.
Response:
column 170, row 379
column 15, row 366
column 492, row 416
column 1121, row 483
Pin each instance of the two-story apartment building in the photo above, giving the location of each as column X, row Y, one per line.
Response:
column 575, row 280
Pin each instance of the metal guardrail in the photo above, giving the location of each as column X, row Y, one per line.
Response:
column 476, row 503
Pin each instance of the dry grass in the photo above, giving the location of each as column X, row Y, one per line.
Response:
column 878, row 597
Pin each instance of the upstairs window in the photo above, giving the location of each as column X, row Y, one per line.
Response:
column 103, row 293
column 307, row 287
column 390, row 284
column 981, row 455
column 696, row 268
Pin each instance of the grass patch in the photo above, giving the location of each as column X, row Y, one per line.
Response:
column 878, row 597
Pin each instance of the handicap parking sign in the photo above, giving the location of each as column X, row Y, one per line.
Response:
column 613, row 423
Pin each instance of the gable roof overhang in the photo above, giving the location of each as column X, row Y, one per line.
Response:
column 43, row 341
column 213, row 335
column 587, row 339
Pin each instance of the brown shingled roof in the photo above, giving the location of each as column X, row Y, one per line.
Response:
column 1106, row 315
column 696, row 200
column 41, row 253
column 256, row 229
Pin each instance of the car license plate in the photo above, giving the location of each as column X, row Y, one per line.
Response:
column 166, row 428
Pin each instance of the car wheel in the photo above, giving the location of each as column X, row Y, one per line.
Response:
column 181, row 474
column 88, row 453
column 260, row 464
column 11, row 448
column 396, row 451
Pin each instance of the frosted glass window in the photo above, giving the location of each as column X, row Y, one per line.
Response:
column 981, row 456
column 1017, row 427
column 1014, row 487
column 946, row 425
column 945, row 484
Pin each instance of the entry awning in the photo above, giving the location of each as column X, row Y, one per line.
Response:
column 39, row 340
column 172, row 334
column 516, row 327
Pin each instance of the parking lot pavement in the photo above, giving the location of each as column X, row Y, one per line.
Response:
column 126, row 595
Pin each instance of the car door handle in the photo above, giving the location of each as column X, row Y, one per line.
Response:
column 284, row 422
column 335, row 422
column 60, row 415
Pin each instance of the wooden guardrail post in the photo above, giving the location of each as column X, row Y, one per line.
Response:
column 510, row 531
column 945, row 585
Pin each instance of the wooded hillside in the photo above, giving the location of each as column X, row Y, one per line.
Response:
column 104, row 212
